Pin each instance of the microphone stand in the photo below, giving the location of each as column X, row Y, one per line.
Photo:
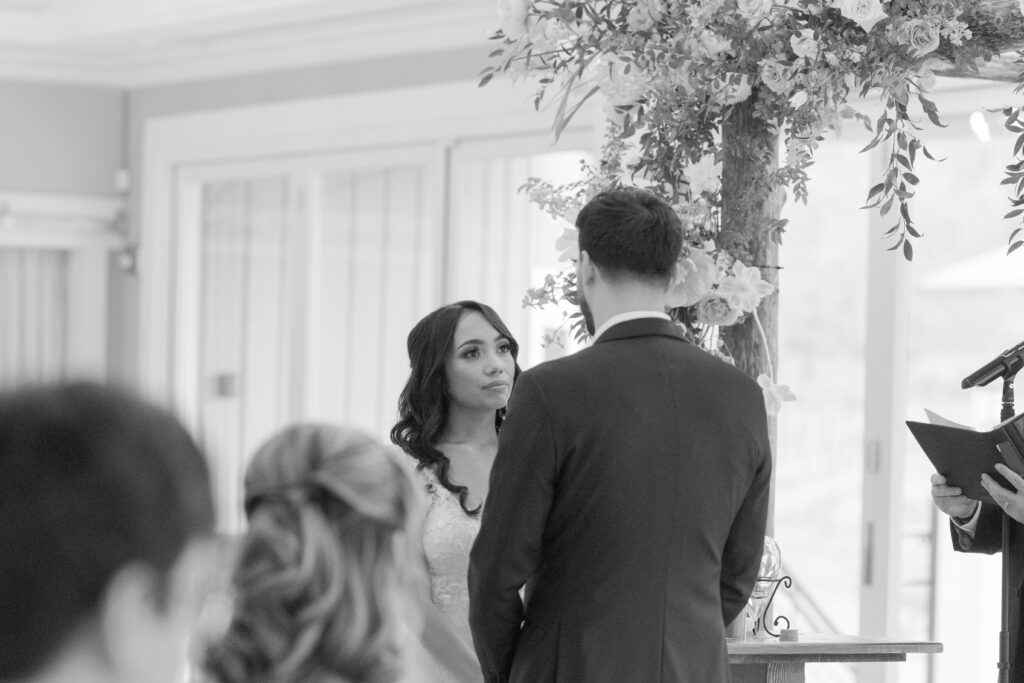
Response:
column 1004, row 634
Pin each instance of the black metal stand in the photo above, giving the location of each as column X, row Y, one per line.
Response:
column 761, row 622
column 1006, row 413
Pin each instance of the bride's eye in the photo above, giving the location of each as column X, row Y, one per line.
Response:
column 471, row 353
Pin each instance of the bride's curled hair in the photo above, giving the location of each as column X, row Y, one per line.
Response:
column 327, row 569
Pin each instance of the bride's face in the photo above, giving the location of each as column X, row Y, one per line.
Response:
column 480, row 367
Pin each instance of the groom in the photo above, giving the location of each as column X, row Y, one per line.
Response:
column 630, row 489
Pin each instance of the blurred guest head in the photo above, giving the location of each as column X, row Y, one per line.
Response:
column 463, row 359
column 629, row 239
column 329, row 565
column 105, row 512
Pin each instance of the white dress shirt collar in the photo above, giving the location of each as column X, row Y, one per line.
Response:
column 628, row 315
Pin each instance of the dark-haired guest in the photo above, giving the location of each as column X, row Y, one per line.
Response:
column 630, row 489
column 105, row 520
column 330, row 566
column 463, row 365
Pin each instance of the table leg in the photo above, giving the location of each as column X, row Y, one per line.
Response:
column 773, row 672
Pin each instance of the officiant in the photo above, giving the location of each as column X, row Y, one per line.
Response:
column 976, row 527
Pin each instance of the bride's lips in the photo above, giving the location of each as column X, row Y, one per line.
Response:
column 496, row 385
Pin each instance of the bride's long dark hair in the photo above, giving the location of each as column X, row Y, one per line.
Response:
column 423, row 406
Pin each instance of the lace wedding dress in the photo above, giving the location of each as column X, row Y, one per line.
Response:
column 448, row 535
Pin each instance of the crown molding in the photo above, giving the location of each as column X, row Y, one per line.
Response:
column 274, row 36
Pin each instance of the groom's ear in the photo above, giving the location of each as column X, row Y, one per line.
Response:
column 585, row 268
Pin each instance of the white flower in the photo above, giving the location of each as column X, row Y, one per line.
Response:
column 568, row 245
column 645, row 15
column 744, row 288
column 512, row 17
column 695, row 275
column 775, row 76
column 798, row 99
column 864, row 13
column 704, row 176
column 804, row 44
column 714, row 44
column 756, row 9
column 923, row 38
column 774, row 394
column 621, row 82
column 714, row 309
column 736, row 90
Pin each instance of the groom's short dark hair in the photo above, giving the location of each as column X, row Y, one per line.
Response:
column 631, row 232
column 91, row 479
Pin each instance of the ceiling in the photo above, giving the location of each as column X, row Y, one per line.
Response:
column 135, row 43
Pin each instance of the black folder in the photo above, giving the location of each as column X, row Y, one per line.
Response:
column 962, row 455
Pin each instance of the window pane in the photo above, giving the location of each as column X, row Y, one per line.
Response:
column 821, row 357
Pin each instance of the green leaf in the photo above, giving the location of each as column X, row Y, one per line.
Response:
column 885, row 207
column 1013, row 214
column 912, row 231
column 485, row 80
column 908, row 251
column 875, row 190
column 911, row 178
column 1013, row 247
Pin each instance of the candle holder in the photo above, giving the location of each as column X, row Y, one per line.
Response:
column 767, row 585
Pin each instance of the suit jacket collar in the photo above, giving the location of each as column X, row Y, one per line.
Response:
column 642, row 327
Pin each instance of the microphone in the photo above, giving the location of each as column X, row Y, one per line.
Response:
column 1006, row 364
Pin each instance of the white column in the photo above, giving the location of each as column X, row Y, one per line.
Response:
column 888, row 283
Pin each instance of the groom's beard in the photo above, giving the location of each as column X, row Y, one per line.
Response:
column 588, row 315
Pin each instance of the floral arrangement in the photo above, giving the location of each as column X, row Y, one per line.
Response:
column 672, row 72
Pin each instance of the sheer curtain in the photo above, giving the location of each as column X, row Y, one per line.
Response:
column 33, row 316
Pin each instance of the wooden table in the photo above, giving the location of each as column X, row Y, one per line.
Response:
column 771, row 661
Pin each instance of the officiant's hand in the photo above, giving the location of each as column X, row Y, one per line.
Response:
column 950, row 499
column 1011, row 501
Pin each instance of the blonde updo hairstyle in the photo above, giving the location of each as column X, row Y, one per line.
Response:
column 327, row 570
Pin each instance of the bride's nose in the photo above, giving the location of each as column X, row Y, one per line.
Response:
column 493, row 366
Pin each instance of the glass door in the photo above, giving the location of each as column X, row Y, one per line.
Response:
column 298, row 282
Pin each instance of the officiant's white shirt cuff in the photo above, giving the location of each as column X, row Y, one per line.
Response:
column 971, row 525
column 629, row 315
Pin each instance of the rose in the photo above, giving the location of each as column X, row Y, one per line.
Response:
column 864, row 13
column 704, row 176
column 714, row 309
column 756, row 9
column 645, row 15
column 923, row 38
column 512, row 16
column 804, row 44
column 775, row 76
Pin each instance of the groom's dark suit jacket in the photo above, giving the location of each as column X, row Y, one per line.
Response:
column 988, row 538
column 629, row 494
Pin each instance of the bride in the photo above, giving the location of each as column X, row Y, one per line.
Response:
column 463, row 364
